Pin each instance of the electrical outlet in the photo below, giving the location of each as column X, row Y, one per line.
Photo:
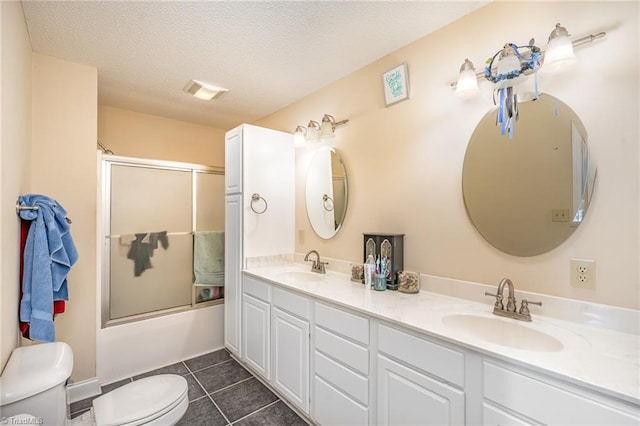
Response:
column 583, row 273
column 560, row 215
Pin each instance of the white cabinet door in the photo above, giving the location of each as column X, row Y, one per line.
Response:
column 233, row 267
column 290, row 340
column 233, row 161
column 255, row 334
column 408, row 397
column 269, row 171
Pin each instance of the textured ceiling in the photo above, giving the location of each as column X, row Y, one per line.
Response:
column 267, row 53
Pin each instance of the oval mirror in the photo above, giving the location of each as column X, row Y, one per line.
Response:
column 326, row 192
column 526, row 195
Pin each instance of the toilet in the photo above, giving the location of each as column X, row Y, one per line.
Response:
column 34, row 382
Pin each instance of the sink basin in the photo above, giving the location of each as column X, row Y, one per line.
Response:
column 504, row 332
column 300, row 276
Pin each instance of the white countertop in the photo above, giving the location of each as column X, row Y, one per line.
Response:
column 602, row 359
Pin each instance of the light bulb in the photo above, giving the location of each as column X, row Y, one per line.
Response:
column 467, row 84
column 313, row 131
column 326, row 128
column 559, row 54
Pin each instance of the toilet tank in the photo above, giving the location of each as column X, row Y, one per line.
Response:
column 34, row 382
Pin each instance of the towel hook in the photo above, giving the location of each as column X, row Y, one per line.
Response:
column 327, row 201
column 255, row 198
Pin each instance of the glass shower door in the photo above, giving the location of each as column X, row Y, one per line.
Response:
column 150, row 240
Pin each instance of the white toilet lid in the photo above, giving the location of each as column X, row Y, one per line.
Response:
column 140, row 401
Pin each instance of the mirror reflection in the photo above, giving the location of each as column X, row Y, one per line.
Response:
column 528, row 194
column 326, row 192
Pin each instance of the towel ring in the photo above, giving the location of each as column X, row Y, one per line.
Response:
column 255, row 198
column 327, row 201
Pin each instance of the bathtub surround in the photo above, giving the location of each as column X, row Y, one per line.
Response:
column 130, row 349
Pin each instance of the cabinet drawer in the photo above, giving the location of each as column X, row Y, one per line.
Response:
column 297, row 305
column 532, row 398
column 433, row 358
column 351, row 383
column 352, row 354
column 408, row 397
column 341, row 322
column 256, row 288
column 492, row 415
column 332, row 407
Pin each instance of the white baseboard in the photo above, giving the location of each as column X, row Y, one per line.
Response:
column 82, row 390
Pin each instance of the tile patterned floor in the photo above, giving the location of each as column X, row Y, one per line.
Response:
column 221, row 392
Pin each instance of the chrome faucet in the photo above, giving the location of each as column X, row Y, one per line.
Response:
column 316, row 266
column 510, row 311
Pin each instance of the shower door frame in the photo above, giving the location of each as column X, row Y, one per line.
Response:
column 106, row 163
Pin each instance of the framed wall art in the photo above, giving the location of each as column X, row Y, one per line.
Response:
column 396, row 84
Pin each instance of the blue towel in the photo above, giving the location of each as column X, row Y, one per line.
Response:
column 208, row 258
column 49, row 253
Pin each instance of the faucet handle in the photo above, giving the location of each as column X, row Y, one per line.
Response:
column 499, row 297
column 321, row 266
column 524, row 307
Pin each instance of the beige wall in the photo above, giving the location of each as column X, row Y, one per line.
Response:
column 404, row 163
column 15, row 135
column 134, row 134
column 64, row 167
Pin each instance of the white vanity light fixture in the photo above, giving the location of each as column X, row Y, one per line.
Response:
column 512, row 64
column 313, row 131
column 299, row 136
column 467, row 84
column 204, row 91
column 559, row 53
column 328, row 127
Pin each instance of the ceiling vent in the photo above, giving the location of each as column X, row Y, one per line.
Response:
column 204, row 91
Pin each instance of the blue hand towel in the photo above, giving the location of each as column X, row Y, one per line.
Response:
column 49, row 254
column 208, row 258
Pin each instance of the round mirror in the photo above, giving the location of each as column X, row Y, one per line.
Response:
column 326, row 192
column 527, row 194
